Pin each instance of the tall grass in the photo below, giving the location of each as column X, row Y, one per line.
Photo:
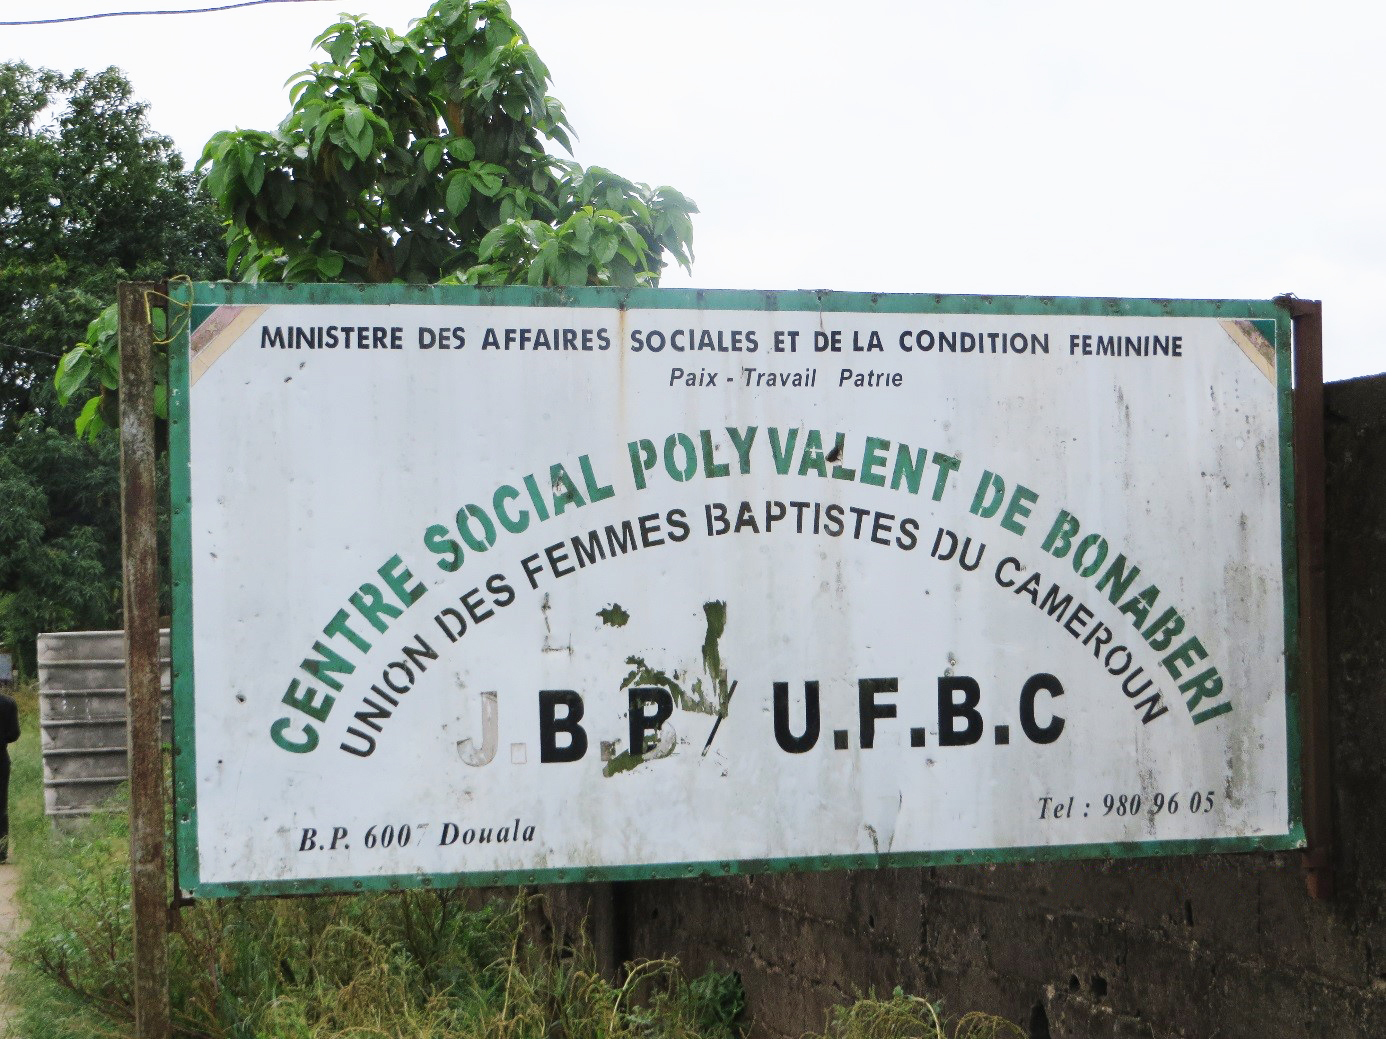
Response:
column 904, row 1016
column 412, row 965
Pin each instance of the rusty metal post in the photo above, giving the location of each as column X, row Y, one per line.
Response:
column 1311, row 525
column 139, row 554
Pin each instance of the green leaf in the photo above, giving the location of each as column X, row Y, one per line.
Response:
column 254, row 170
column 216, row 179
column 461, row 149
column 363, row 144
column 331, row 32
column 572, row 270
column 233, row 253
column 633, row 236
column 582, row 232
column 493, row 238
column 72, row 373
column 622, row 273
column 308, row 116
column 330, row 266
column 339, row 47
column 281, row 196
column 604, row 249
column 107, row 373
column 459, row 192
column 301, row 267
column 89, row 423
column 548, row 259
column 160, row 402
column 432, row 155
column 354, row 120
column 106, row 325
column 488, row 184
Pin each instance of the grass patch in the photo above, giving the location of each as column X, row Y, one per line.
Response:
column 411, row 965
column 904, row 1016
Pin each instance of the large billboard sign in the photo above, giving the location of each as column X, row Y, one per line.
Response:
column 512, row 586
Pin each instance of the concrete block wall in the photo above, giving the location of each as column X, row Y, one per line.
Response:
column 1224, row 946
column 82, row 717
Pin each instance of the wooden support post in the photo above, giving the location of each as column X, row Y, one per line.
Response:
column 606, row 925
column 1311, row 522
column 139, row 553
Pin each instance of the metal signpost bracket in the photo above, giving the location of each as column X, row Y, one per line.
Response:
column 1310, row 472
column 139, row 551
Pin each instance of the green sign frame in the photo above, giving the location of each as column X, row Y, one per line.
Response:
column 199, row 300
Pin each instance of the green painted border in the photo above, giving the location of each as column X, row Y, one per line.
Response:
column 746, row 867
column 212, row 294
column 184, row 696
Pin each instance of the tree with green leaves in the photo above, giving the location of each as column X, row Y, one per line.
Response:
column 415, row 157
column 419, row 157
column 89, row 196
column 422, row 157
column 59, row 536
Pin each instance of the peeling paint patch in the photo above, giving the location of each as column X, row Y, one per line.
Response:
column 642, row 674
column 1254, row 344
column 716, row 614
column 712, row 699
column 622, row 762
column 614, row 616
column 548, row 647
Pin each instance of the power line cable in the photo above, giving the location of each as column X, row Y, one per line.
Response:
column 29, row 350
column 136, row 14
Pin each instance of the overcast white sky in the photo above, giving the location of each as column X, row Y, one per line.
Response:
column 1185, row 149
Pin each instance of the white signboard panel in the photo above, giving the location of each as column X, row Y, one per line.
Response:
column 498, row 587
